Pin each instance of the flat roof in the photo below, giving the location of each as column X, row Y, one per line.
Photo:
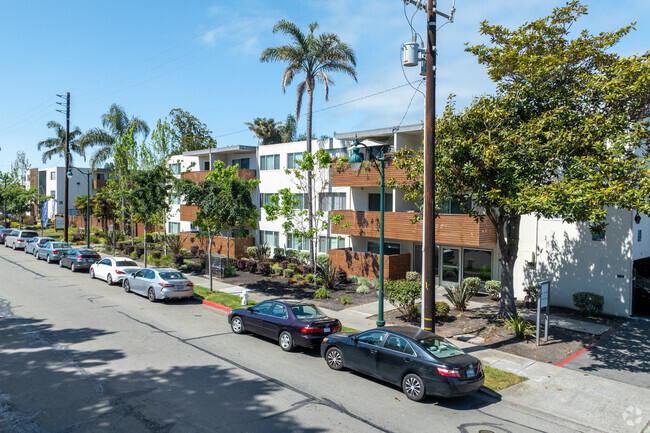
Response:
column 228, row 149
column 380, row 132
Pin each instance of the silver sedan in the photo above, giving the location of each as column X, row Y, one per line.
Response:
column 35, row 243
column 159, row 283
column 52, row 251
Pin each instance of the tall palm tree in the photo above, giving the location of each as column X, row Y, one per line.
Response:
column 116, row 123
column 56, row 144
column 314, row 56
column 267, row 130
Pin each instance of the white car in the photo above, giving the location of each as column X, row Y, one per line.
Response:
column 113, row 269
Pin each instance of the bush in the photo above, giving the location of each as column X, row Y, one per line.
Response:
column 128, row 249
column 158, row 236
column 493, row 289
column 442, row 309
column 323, row 260
column 292, row 266
column 279, row 255
column 460, row 296
column 264, row 268
column 230, row 271
column 174, row 244
column 310, row 278
column 473, row 284
column 292, row 254
column 353, row 279
column 284, row 264
column 276, row 270
column 179, row 259
column 589, row 304
column 303, row 256
column 194, row 250
column 345, row 300
column 403, row 294
column 139, row 251
column 251, row 251
column 533, row 294
column 185, row 252
column 251, row 266
column 292, row 280
column 287, row 273
column 306, row 269
column 363, row 289
column 319, row 280
column 412, row 276
column 341, row 276
column 522, row 327
column 156, row 254
column 322, row 293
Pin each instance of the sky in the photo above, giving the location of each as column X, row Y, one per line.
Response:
column 203, row 57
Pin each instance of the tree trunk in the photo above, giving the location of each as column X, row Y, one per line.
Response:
column 145, row 242
column 508, row 240
column 209, row 261
column 310, row 202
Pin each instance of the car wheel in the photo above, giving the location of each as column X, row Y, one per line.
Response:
column 60, row 263
column 237, row 325
column 73, row 268
column 109, row 280
column 151, row 295
column 413, row 387
column 14, row 246
column 334, row 358
column 127, row 286
column 92, row 274
column 286, row 341
column 26, row 250
column 48, row 259
column 36, row 254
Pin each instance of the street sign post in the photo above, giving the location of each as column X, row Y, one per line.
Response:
column 543, row 302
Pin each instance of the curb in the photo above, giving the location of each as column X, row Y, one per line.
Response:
column 602, row 337
column 217, row 306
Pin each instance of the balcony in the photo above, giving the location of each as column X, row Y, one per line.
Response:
column 450, row 229
column 367, row 264
column 99, row 183
column 367, row 175
column 198, row 176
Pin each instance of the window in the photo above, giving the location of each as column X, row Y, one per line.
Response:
column 330, row 243
column 175, row 199
column 399, row 345
column 206, row 166
column 270, row 162
column 456, row 206
column 261, row 308
column 53, row 194
column 301, row 200
column 265, row 197
column 294, row 244
column 477, row 263
column 174, row 228
column 291, row 160
column 52, row 175
column 175, row 168
column 279, row 311
column 451, row 265
column 269, row 238
column 332, row 201
column 372, row 337
column 242, row 162
column 374, row 205
column 390, row 248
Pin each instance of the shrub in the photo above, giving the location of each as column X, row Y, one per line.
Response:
column 365, row 281
column 128, row 249
column 179, row 259
column 158, row 236
column 303, row 256
column 306, row 269
column 533, row 294
column 322, row 293
column 279, row 255
column 460, row 296
column 363, row 289
column 251, row 251
column 156, row 254
column 230, row 271
column 412, row 276
column 276, row 270
column 323, row 260
column 341, row 276
column 264, row 268
column 473, row 284
column 292, row 254
column 442, row 309
column 403, row 294
column 353, row 279
column 589, row 304
column 310, row 278
column 319, row 280
column 132, row 255
column 284, row 264
column 251, row 266
column 139, row 250
column 287, row 273
column 241, row 264
column 493, row 289
column 184, row 252
column 292, row 266
column 292, row 280
column 194, row 250
column 522, row 327
column 345, row 300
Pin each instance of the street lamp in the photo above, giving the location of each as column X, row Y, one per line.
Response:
column 88, row 175
column 355, row 163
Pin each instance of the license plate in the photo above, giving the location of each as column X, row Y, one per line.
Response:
column 470, row 373
column 326, row 329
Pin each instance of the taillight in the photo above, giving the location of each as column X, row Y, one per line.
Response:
column 80, row 257
column 20, row 240
column 311, row 330
column 480, row 368
column 55, row 252
column 190, row 284
column 118, row 272
column 165, row 285
column 449, row 372
column 337, row 328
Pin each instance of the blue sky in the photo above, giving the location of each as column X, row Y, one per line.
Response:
column 203, row 57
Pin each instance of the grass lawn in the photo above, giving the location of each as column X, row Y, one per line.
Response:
column 225, row 299
column 346, row 329
column 497, row 380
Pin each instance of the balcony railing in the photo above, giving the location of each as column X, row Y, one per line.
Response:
column 450, row 229
column 367, row 175
column 99, row 183
column 198, row 176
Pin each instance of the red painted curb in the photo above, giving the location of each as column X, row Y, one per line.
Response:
column 217, row 306
column 602, row 337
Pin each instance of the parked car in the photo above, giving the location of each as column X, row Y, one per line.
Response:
column 159, row 283
column 34, row 243
column 18, row 238
column 113, row 269
column 78, row 259
column 419, row 361
column 3, row 234
column 291, row 323
column 52, row 251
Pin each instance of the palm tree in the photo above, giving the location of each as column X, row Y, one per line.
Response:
column 315, row 56
column 289, row 129
column 117, row 123
column 56, row 145
column 267, row 130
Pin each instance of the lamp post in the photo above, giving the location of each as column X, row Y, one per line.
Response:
column 355, row 163
column 69, row 175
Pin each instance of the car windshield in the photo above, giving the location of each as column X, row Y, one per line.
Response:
column 60, row 245
column 30, row 234
column 125, row 263
column 440, row 348
column 307, row 312
column 172, row 276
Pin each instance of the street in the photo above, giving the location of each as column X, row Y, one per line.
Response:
column 79, row 356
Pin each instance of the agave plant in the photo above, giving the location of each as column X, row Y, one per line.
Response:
column 460, row 296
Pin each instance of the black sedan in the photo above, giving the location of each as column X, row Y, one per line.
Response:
column 79, row 259
column 291, row 323
column 419, row 361
column 3, row 234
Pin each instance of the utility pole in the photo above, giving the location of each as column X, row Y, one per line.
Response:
column 67, row 164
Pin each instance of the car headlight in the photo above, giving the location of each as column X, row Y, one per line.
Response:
column 325, row 339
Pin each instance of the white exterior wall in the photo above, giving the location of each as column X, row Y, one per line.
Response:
column 573, row 262
column 186, row 162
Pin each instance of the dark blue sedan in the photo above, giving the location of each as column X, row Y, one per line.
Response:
column 291, row 323
column 419, row 361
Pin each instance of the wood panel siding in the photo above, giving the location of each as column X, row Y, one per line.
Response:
column 366, row 176
column 198, row 176
column 99, row 183
column 219, row 244
column 367, row 264
column 188, row 213
column 450, row 229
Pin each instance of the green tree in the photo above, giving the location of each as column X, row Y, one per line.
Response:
column 266, row 130
column 563, row 137
column 116, row 123
column 81, row 204
column 288, row 130
column 103, row 207
column 56, row 145
column 160, row 146
column 20, row 200
column 149, row 196
column 20, row 165
column 189, row 133
column 315, row 57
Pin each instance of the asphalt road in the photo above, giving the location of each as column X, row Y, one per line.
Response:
column 79, row 356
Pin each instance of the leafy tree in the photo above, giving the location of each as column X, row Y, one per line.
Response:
column 189, row 133
column 288, row 130
column 116, row 123
column 160, row 147
column 81, row 204
column 103, row 207
column 563, row 137
column 266, row 130
column 149, row 196
column 223, row 201
column 56, row 145
column 315, row 57
column 20, row 200
column 20, row 165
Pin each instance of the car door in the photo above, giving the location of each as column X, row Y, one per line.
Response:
column 254, row 321
column 276, row 320
column 68, row 257
column 395, row 356
column 103, row 268
column 362, row 355
column 138, row 281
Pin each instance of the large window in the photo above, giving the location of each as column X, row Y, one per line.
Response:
column 456, row 206
column 374, row 205
column 325, row 244
column 294, row 244
column 291, row 160
column 301, row 201
column 269, row 238
column 332, row 201
column 451, row 265
column 390, row 248
column 242, row 162
column 265, row 197
column 175, row 168
column 175, row 199
column 270, row 162
column 174, row 228
column 477, row 263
